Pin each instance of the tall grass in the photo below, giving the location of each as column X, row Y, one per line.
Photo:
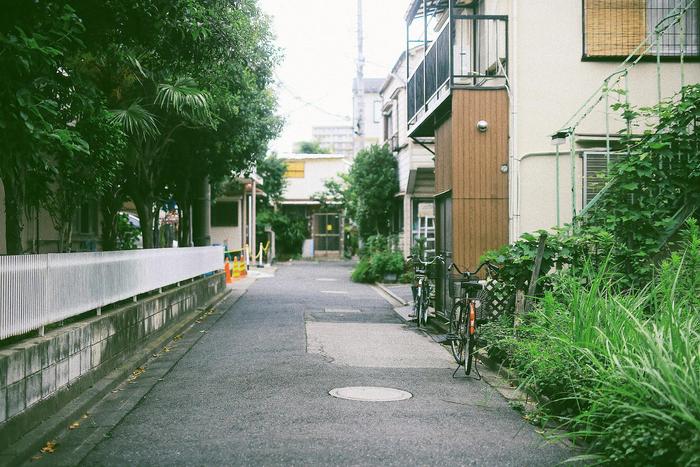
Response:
column 621, row 371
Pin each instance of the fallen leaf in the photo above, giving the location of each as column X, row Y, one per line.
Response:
column 74, row 425
column 136, row 373
column 50, row 447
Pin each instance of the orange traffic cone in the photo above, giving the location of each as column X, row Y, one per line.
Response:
column 244, row 269
column 236, row 270
column 227, row 270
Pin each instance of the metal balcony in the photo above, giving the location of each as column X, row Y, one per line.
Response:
column 470, row 51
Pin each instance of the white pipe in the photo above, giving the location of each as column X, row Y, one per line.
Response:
column 514, row 164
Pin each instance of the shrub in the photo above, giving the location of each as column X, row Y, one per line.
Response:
column 619, row 369
column 378, row 258
column 362, row 272
column 290, row 232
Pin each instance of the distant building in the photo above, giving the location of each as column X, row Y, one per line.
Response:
column 367, row 113
column 233, row 214
column 306, row 176
column 336, row 139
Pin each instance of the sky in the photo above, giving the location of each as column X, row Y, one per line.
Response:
column 319, row 43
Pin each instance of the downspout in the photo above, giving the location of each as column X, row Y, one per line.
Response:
column 514, row 163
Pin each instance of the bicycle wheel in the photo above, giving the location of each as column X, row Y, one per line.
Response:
column 418, row 303
column 425, row 298
column 457, row 331
column 470, row 338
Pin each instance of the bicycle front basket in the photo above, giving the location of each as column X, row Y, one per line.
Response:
column 456, row 287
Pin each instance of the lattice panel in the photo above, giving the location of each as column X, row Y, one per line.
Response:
column 496, row 299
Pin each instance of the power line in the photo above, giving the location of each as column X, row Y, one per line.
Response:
column 308, row 103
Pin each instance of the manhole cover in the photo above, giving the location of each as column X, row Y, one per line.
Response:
column 370, row 394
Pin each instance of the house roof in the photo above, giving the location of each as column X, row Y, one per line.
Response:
column 370, row 85
column 300, row 156
column 400, row 62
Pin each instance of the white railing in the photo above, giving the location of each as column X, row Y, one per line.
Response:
column 37, row 290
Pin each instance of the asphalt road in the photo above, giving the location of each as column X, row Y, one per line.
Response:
column 253, row 389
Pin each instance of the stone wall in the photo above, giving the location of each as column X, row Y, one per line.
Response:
column 40, row 375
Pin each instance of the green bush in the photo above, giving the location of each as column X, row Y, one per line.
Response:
column 620, row 370
column 378, row 258
column 290, row 232
column 127, row 234
column 362, row 272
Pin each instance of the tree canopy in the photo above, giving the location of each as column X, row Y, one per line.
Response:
column 372, row 183
column 311, row 147
column 133, row 99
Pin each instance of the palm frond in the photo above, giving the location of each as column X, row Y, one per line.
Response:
column 135, row 121
column 186, row 98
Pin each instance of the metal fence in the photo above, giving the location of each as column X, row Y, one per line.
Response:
column 37, row 290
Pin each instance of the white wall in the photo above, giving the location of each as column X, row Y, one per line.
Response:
column 316, row 172
column 538, row 208
column 551, row 82
column 229, row 236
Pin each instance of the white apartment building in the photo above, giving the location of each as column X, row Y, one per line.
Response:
column 499, row 78
column 335, row 139
column 414, row 215
column 367, row 113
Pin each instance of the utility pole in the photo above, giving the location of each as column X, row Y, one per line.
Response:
column 359, row 85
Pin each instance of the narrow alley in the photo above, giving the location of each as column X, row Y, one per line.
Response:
column 250, row 385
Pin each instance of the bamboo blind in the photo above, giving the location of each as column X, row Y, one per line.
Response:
column 614, row 27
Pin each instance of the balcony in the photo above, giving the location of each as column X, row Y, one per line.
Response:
column 470, row 51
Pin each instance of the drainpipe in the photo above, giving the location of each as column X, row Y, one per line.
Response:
column 514, row 163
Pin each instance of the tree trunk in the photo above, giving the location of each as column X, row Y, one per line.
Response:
column 13, row 217
column 146, row 221
column 109, row 231
column 156, row 227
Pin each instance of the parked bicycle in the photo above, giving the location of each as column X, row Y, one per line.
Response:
column 422, row 287
column 466, row 290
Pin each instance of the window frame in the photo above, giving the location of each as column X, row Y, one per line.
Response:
column 652, row 57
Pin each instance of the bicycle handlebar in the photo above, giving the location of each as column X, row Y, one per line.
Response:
column 436, row 259
column 491, row 267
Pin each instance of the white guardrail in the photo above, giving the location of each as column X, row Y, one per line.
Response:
column 37, row 290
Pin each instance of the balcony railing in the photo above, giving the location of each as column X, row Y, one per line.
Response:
column 472, row 51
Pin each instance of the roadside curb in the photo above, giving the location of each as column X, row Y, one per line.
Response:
column 387, row 291
column 55, row 425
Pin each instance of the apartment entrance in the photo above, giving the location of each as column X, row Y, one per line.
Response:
column 327, row 235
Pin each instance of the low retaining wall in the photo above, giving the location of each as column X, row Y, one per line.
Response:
column 40, row 375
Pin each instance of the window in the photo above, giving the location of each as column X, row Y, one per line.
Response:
column 614, row 28
column 85, row 220
column 295, row 169
column 377, row 111
column 594, row 173
column 388, row 126
column 424, row 223
column 224, row 214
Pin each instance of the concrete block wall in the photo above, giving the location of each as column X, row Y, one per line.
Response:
column 38, row 370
